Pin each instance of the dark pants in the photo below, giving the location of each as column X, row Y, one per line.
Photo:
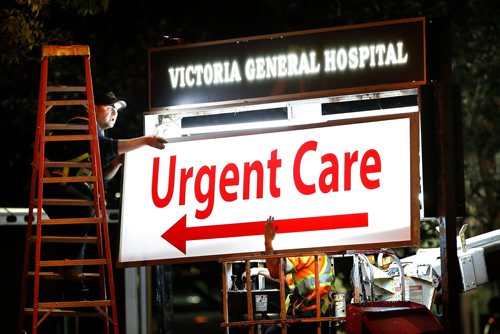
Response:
column 61, row 251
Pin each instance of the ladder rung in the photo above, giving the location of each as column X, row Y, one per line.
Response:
column 64, row 179
column 71, row 221
column 51, row 89
column 82, row 303
column 63, row 263
column 51, row 275
column 66, row 164
column 66, row 126
column 69, row 138
column 64, row 313
column 52, row 103
column 69, row 202
column 66, row 239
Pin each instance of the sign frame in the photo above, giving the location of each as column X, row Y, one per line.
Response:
column 414, row 196
column 290, row 87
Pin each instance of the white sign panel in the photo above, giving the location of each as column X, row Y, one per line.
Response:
column 330, row 186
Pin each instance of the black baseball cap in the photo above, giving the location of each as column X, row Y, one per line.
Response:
column 109, row 99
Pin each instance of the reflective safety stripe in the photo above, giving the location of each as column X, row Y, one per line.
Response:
column 303, row 272
column 291, row 286
column 84, row 156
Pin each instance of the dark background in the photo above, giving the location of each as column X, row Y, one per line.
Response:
column 120, row 33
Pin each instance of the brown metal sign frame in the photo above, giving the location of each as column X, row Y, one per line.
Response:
column 231, row 55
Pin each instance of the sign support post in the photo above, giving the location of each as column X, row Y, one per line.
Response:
column 448, row 188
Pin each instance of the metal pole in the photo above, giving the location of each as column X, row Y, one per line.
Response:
column 163, row 299
column 447, row 154
column 447, row 210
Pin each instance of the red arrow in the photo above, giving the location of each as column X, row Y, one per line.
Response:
column 178, row 234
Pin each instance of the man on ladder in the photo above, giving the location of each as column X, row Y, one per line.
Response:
column 70, row 162
column 112, row 153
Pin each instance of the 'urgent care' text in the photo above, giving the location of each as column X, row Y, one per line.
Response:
column 233, row 182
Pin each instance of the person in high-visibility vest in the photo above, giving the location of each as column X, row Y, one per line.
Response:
column 111, row 150
column 302, row 302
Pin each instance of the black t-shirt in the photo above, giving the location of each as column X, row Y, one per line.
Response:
column 108, row 148
column 80, row 150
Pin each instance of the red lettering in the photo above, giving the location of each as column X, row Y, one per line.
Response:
column 272, row 164
column 204, row 180
column 299, row 184
column 204, row 183
column 365, row 169
column 185, row 176
column 208, row 195
column 329, row 178
column 163, row 202
column 331, row 172
column 256, row 167
column 349, row 160
column 226, row 181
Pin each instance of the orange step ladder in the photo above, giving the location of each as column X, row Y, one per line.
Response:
column 37, row 269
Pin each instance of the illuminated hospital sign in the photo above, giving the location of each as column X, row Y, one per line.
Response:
column 253, row 131
column 297, row 63
column 289, row 65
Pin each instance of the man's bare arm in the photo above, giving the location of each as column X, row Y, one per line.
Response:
column 273, row 264
column 127, row 145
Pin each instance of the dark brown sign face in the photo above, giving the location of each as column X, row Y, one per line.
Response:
column 381, row 54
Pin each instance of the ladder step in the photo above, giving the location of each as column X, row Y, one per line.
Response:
column 67, row 164
column 69, row 137
column 53, row 103
column 64, row 313
column 64, row 263
column 51, row 275
column 66, row 240
column 65, row 50
column 52, row 89
column 65, row 179
column 69, row 202
column 72, row 304
column 66, row 126
column 70, row 221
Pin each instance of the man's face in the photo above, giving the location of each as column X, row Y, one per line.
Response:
column 106, row 116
